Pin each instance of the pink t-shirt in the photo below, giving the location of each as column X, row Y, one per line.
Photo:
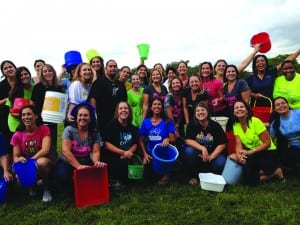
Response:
column 30, row 144
column 213, row 87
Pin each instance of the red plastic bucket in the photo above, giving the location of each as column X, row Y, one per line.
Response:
column 263, row 39
column 262, row 112
column 230, row 142
column 19, row 103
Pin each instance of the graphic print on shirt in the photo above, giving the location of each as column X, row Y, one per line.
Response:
column 125, row 140
column 30, row 147
column 80, row 151
column 154, row 134
column 205, row 140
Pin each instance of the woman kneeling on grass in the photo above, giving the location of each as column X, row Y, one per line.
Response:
column 32, row 140
column 206, row 142
column 286, row 128
column 254, row 147
column 80, row 145
column 156, row 128
column 120, row 140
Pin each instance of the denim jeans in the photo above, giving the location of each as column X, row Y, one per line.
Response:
column 193, row 163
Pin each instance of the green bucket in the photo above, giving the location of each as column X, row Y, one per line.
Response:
column 135, row 168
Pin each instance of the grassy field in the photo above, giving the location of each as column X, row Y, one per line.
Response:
column 272, row 203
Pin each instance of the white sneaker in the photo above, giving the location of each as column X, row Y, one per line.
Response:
column 47, row 197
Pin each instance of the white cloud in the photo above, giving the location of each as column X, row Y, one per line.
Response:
column 175, row 30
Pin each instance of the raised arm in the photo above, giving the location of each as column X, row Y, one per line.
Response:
column 249, row 59
column 293, row 56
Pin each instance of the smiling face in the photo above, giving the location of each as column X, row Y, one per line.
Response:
column 135, row 81
column 288, row 70
column 25, row 77
column 123, row 111
column 8, row 70
column 85, row 73
column 176, row 84
column 281, row 106
column 96, row 63
column 240, row 110
column 220, row 67
column 230, row 73
column 260, row 63
column 194, row 83
column 83, row 117
column 201, row 113
column 156, row 106
column 28, row 117
column 48, row 74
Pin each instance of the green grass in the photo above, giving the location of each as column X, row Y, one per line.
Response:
column 271, row 203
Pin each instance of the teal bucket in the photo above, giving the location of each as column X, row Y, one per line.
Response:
column 232, row 172
column 26, row 172
column 164, row 158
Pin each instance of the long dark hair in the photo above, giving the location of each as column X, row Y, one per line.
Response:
column 38, row 121
column 129, row 119
column 162, row 113
column 254, row 69
column 92, row 124
column 18, row 90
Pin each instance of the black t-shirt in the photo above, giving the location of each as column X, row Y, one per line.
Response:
column 187, row 93
column 107, row 94
column 4, row 110
column 121, row 137
column 211, row 137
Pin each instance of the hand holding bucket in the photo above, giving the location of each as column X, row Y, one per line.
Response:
column 143, row 51
column 263, row 39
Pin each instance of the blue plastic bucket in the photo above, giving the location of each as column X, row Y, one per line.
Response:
column 3, row 185
column 164, row 158
column 72, row 58
column 232, row 171
column 26, row 172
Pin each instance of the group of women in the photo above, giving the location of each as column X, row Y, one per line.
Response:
column 176, row 109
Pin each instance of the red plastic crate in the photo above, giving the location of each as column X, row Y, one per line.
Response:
column 230, row 143
column 91, row 186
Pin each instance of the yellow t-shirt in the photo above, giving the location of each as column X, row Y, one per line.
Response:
column 288, row 89
column 250, row 138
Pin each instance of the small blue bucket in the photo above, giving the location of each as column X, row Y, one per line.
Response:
column 26, row 172
column 232, row 172
column 3, row 186
column 164, row 158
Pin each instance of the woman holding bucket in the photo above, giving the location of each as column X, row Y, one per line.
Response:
column 255, row 150
column 48, row 82
column 22, row 91
column 80, row 145
column 261, row 82
column 206, row 142
column 120, row 145
column 156, row 128
column 32, row 141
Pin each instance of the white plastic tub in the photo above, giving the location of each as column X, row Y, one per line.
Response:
column 212, row 182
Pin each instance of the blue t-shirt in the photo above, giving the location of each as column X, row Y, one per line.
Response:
column 263, row 86
column 155, row 134
column 290, row 128
column 231, row 97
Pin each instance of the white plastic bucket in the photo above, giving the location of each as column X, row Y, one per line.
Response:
column 55, row 107
column 232, row 171
column 222, row 120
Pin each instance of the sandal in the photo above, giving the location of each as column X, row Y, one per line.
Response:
column 193, row 181
column 164, row 180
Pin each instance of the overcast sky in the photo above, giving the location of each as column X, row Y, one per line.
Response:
column 189, row 30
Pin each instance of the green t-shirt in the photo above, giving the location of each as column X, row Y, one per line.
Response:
column 288, row 89
column 135, row 101
column 250, row 138
column 14, row 122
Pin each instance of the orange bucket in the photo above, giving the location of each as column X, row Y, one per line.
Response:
column 263, row 39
